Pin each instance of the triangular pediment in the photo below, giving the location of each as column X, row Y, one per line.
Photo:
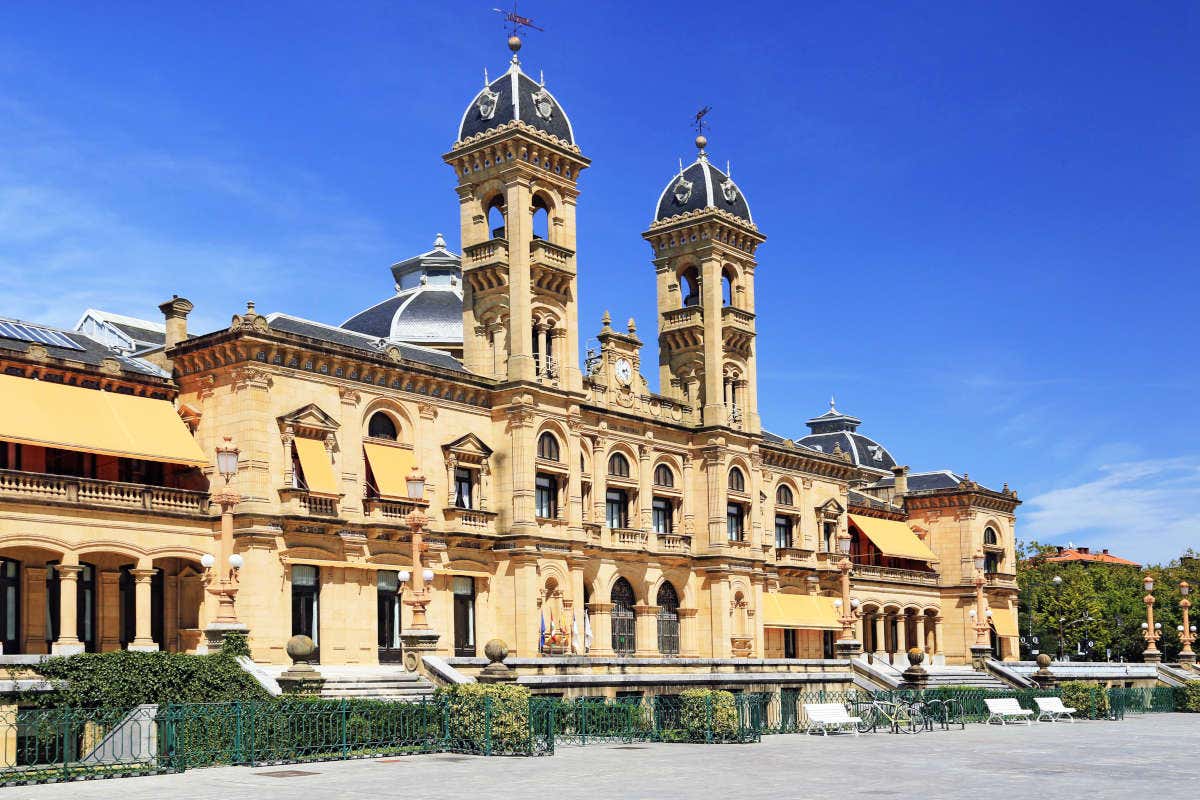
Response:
column 310, row 417
column 468, row 445
column 830, row 507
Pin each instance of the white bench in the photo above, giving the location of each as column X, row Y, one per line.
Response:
column 1053, row 710
column 1005, row 709
column 823, row 716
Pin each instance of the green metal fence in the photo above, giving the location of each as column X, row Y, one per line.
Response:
column 700, row 718
column 42, row 745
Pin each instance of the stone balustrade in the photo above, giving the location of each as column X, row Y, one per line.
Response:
column 35, row 486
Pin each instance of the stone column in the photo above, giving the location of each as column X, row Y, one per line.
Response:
column 689, row 504
column 519, row 232
column 715, row 488
column 927, row 634
column 689, row 638
column 520, row 425
column 937, row 637
column 451, row 465
column 575, row 567
column 599, row 484
column 601, row 629
column 714, row 351
column 719, row 600
column 646, row 620
column 901, row 639
column 68, row 623
column 645, row 486
column 574, row 488
column 526, row 618
column 143, row 637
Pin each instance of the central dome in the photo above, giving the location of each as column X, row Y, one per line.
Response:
column 698, row 186
column 515, row 96
column 833, row 431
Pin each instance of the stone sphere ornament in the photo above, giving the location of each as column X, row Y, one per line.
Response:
column 496, row 650
column 301, row 648
column 1043, row 660
column 915, row 656
column 514, row 43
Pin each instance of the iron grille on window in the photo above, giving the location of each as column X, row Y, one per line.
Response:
column 668, row 620
column 624, row 628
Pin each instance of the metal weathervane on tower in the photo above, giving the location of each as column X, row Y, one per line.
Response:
column 516, row 23
column 699, row 123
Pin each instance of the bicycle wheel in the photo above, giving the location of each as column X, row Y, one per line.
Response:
column 868, row 716
column 902, row 719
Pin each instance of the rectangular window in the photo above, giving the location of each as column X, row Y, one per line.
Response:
column 789, row 643
column 616, row 507
column 783, row 532
column 991, row 562
column 546, row 496
column 462, row 488
column 735, row 517
column 10, row 455
column 662, row 515
column 829, row 532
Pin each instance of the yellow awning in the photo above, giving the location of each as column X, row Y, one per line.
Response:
column 1005, row 621
column 47, row 414
column 318, row 470
column 391, row 467
column 893, row 538
column 800, row 611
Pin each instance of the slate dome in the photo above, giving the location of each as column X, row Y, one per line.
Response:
column 515, row 96
column 701, row 185
column 834, row 430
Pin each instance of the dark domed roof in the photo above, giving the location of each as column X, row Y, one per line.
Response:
column 515, row 96
column 698, row 186
column 427, row 308
column 834, row 431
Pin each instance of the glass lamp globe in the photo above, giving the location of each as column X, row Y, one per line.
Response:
column 207, row 560
column 236, row 561
column 427, row 574
column 415, row 483
column 1148, row 583
column 403, row 576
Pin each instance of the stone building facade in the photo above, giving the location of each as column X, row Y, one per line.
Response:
column 572, row 510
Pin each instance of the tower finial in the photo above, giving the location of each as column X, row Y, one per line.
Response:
column 833, row 404
column 699, row 124
column 515, row 23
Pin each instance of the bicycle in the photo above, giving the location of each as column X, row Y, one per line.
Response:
column 899, row 716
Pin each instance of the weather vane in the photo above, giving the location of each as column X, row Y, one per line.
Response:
column 700, row 124
column 516, row 21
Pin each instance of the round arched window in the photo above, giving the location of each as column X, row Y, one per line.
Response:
column 381, row 426
column 548, row 447
column 618, row 466
column 624, row 630
column 737, row 481
column 663, row 476
column 783, row 496
column 990, row 537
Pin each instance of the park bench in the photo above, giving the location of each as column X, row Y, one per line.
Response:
column 1005, row 709
column 1053, row 710
column 823, row 716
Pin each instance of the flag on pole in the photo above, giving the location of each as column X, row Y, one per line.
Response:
column 574, row 632
column 542, row 633
column 587, row 632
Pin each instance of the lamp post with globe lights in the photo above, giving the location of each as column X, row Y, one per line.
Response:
column 982, row 646
column 227, row 563
column 847, row 646
column 1187, row 631
column 1150, row 630
column 418, row 636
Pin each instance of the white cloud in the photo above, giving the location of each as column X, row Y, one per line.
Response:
column 1147, row 510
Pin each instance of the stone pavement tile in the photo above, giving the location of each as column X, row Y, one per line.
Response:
column 1141, row 758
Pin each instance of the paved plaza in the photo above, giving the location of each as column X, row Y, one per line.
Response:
column 1143, row 757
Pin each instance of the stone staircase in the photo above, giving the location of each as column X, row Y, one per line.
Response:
column 373, row 683
column 882, row 675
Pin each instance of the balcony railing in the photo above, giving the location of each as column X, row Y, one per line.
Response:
column 306, row 504
column 469, row 519
column 893, row 575
column 672, row 542
column 542, row 252
column 493, row 251
column 628, row 537
column 681, row 317
column 737, row 316
column 1001, row 578
column 35, row 486
column 395, row 510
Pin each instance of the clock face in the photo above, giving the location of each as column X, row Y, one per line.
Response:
column 624, row 371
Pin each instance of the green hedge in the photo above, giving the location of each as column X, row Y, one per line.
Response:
column 488, row 718
column 696, row 715
column 1090, row 700
column 124, row 679
column 1187, row 697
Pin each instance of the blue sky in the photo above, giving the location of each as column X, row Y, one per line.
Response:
column 981, row 217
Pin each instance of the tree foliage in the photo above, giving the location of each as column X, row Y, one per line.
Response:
column 1096, row 610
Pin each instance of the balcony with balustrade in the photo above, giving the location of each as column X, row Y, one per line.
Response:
column 894, row 575
column 468, row 520
column 18, row 486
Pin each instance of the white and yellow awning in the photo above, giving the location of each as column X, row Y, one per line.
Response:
column 318, row 469
column 800, row 611
column 893, row 538
column 1005, row 621
column 45, row 414
column 391, row 467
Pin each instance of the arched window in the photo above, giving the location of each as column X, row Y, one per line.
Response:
column 541, row 218
column 689, row 287
column 989, row 537
column 726, row 288
column 624, row 630
column 668, row 619
column 548, row 447
column 663, row 476
column 495, row 216
column 737, row 481
column 618, row 466
column 783, row 495
column 381, row 426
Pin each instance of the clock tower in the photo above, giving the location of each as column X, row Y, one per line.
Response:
column 619, row 367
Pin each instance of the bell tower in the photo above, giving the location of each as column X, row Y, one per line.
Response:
column 518, row 167
column 704, row 240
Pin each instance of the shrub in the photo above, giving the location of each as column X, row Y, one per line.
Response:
column 124, row 679
column 697, row 715
column 235, row 644
column 1090, row 699
column 487, row 718
column 1187, row 697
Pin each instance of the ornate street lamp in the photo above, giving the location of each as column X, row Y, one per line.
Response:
column 418, row 636
column 847, row 646
column 983, row 645
column 1187, row 633
column 228, row 563
column 1150, row 631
